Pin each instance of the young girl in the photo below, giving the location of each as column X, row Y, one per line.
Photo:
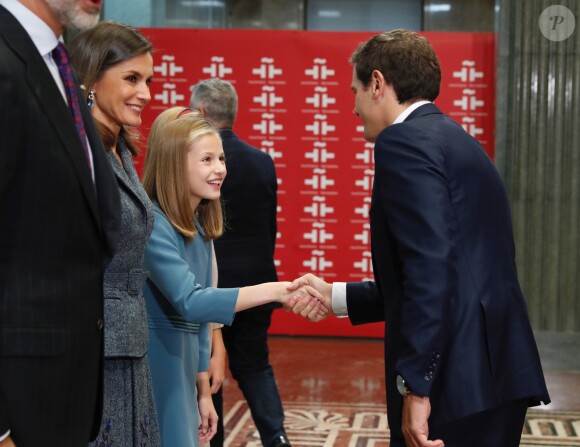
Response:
column 184, row 170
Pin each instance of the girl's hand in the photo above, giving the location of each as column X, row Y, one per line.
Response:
column 208, row 419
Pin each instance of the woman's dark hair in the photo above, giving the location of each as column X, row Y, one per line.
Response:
column 97, row 49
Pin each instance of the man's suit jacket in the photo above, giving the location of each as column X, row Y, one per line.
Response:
column 446, row 285
column 57, row 229
column 245, row 253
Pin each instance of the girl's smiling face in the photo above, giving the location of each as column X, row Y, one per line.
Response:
column 206, row 167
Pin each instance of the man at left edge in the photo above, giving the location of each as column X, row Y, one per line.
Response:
column 59, row 219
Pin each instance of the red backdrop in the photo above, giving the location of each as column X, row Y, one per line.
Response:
column 295, row 103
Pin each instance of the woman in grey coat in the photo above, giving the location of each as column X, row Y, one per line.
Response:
column 115, row 65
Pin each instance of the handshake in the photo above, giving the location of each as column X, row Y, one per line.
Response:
column 309, row 297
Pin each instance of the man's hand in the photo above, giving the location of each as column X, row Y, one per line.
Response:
column 416, row 411
column 312, row 308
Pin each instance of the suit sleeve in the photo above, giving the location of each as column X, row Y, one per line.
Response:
column 414, row 194
column 12, row 127
column 171, row 275
column 364, row 303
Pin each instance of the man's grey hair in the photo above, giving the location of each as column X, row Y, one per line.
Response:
column 218, row 99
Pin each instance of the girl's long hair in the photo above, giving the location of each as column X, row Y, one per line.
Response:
column 165, row 176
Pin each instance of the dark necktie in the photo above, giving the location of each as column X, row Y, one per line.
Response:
column 60, row 56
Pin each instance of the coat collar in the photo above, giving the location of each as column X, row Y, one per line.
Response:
column 40, row 33
column 227, row 133
column 425, row 109
column 50, row 99
column 126, row 174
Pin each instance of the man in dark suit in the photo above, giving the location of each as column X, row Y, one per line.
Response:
column 245, row 257
column 59, row 217
column 461, row 362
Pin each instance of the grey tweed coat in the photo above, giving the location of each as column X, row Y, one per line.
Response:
column 129, row 414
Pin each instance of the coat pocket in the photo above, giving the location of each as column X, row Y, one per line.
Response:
column 125, row 324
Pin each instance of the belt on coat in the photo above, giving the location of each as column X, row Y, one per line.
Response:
column 172, row 322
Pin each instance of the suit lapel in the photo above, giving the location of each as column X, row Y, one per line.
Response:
column 122, row 176
column 51, row 101
column 128, row 177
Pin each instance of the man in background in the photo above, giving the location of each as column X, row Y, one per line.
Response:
column 59, row 218
column 245, row 256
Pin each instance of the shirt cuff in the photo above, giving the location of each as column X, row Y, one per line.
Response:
column 4, row 436
column 339, row 300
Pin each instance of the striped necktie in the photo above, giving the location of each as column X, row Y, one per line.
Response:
column 60, row 56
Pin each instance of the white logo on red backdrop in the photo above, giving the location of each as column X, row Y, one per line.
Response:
column 470, row 109
column 296, row 105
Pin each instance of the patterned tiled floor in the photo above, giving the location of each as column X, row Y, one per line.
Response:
column 333, row 394
column 365, row 425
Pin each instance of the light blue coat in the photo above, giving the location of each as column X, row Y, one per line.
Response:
column 180, row 304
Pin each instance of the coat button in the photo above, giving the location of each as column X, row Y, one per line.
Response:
column 100, row 324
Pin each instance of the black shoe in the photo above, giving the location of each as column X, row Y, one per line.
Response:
column 280, row 441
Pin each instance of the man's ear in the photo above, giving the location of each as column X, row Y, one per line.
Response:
column 378, row 83
column 202, row 111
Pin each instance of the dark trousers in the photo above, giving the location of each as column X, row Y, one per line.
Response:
column 246, row 342
column 499, row 427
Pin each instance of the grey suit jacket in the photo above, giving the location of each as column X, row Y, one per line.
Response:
column 125, row 312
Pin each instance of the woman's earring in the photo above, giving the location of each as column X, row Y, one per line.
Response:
column 91, row 98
